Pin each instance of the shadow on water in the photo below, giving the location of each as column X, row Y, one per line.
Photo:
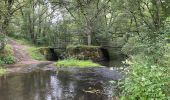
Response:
column 65, row 84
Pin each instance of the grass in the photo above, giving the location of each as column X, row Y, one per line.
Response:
column 35, row 53
column 2, row 71
column 76, row 63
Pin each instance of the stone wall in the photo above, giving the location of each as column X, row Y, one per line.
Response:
column 84, row 52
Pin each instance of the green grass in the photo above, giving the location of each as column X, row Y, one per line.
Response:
column 2, row 71
column 76, row 63
column 35, row 53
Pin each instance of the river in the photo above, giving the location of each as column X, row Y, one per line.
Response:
column 61, row 84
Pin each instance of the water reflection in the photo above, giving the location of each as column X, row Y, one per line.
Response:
column 74, row 84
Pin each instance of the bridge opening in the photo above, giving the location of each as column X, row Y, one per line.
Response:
column 106, row 56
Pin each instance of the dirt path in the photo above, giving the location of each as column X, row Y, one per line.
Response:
column 24, row 59
column 20, row 51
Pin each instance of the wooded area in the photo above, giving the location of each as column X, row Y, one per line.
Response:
column 141, row 28
column 54, row 22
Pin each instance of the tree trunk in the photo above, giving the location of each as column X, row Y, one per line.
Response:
column 2, row 41
column 89, row 39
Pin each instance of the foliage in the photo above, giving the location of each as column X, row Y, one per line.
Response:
column 2, row 71
column 146, row 81
column 147, row 44
column 7, row 55
column 133, row 46
column 76, row 63
column 8, row 60
column 23, row 41
column 148, row 74
column 35, row 53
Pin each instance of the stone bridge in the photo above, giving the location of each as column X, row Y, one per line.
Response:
column 104, row 52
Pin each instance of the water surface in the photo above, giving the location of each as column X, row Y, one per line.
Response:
column 63, row 84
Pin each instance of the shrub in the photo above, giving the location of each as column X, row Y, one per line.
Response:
column 7, row 55
column 146, row 81
column 8, row 60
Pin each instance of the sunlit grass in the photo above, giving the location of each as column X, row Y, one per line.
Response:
column 35, row 53
column 2, row 71
column 76, row 63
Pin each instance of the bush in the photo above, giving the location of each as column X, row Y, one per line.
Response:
column 7, row 55
column 146, row 81
column 8, row 60
column 133, row 46
column 76, row 63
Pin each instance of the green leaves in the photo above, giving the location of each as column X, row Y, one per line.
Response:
column 7, row 55
column 145, row 81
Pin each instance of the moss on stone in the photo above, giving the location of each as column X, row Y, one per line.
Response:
column 85, row 52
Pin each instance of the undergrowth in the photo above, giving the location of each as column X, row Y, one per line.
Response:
column 7, row 55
